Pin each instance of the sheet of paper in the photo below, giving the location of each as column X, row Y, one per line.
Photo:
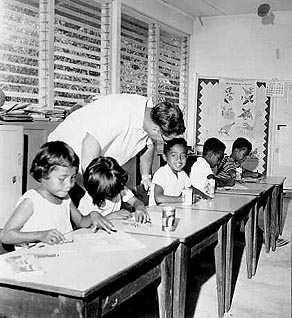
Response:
column 104, row 242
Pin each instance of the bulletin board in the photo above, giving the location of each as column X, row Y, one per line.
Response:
column 232, row 108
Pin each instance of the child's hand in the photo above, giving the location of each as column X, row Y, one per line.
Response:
column 119, row 215
column 100, row 222
column 52, row 237
column 141, row 215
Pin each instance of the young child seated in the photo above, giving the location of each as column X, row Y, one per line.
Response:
column 44, row 214
column 227, row 170
column 169, row 181
column 202, row 169
column 105, row 182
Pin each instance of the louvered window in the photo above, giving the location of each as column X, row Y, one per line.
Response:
column 76, row 51
column 169, row 67
column 19, row 50
column 134, row 55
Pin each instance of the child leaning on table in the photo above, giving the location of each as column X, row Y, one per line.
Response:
column 169, row 181
column 44, row 214
column 202, row 169
column 105, row 182
column 226, row 173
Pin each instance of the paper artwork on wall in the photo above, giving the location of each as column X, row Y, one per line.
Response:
column 237, row 110
column 228, row 109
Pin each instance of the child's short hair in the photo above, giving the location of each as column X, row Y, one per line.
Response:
column 50, row 155
column 104, row 179
column 242, row 143
column 169, row 118
column 213, row 144
column 175, row 141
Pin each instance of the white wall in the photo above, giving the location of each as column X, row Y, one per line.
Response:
column 241, row 47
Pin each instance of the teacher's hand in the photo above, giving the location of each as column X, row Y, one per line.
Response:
column 146, row 182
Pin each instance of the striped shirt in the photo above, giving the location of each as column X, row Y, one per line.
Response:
column 227, row 168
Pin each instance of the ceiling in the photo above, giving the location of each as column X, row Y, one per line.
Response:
column 205, row 8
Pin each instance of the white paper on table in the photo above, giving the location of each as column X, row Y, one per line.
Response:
column 104, row 242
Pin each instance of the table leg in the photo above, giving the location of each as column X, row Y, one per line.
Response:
column 229, row 262
column 220, row 259
column 165, row 288
column 281, row 225
column 255, row 239
column 182, row 256
column 249, row 237
column 267, row 223
column 274, row 217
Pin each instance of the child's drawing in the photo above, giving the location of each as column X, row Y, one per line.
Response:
column 246, row 114
column 248, row 96
column 248, row 127
column 227, row 112
column 224, row 131
column 228, row 95
column 254, row 153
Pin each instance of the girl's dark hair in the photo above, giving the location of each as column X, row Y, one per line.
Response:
column 213, row 144
column 169, row 118
column 240, row 143
column 175, row 141
column 50, row 155
column 104, row 179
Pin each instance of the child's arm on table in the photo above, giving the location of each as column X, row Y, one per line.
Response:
column 12, row 234
column 198, row 193
column 224, row 182
column 94, row 219
column 141, row 214
column 160, row 197
column 250, row 174
column 122, row 214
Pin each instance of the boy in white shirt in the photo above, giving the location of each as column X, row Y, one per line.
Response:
column 170, row 180
column 202, row 169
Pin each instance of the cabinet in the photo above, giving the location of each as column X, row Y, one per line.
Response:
column 34, row 135
column 11, row 166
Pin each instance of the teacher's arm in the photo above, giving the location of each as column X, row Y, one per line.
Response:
column 90, row 149
column 146, row 160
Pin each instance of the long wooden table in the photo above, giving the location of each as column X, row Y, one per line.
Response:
column 242, row 208
column 195, row 230
column 276, row 208
column 91, row 276
column 263, row 193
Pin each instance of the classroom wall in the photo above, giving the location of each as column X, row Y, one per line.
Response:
column 240, row 47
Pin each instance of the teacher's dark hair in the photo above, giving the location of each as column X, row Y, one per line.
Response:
column 169, row 118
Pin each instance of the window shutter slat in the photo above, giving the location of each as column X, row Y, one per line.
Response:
column 19, row 51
